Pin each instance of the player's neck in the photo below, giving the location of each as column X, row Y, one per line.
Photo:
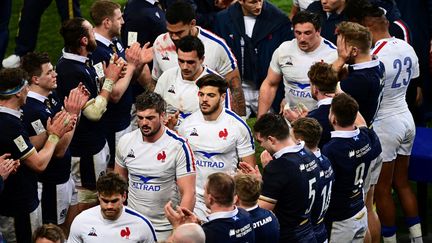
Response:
column 103, row 32
column 196, row 76
column 215, row 208
column 347, row 129
column 281, row 144
column 322, row 96
column 11, row 104
column 376, row 36
column 363, row 58
column 39, row 90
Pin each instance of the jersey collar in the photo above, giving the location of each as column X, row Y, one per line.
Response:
column 364, row 65
column 325, row 101
column 37, row 96
column 223, row 215
column 289, row 149
column 75, row 57
column 252, row 208
column 317, row 153
column 103, row 40
column 10, row 111
column 345, row 134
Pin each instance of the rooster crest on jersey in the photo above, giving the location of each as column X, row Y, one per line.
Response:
column 161, row 156
column 124, row 233
column 223, row 134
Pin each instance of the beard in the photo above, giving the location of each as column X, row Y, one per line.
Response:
column 211, row 110
column 151, row 132
column 91, row 47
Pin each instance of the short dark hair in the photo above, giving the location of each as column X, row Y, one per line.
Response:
column 32, row 63
column 307, row 17
column 110, row 184
column 271, row 124
column 102, row 9
column 213, row 80
column 222, row 188
column 191, row 43
column 248, row 189
column 11, row 80
column 72, row 31
column 180, row 11
column 50, row 232
column 345, row 109
column 309, row 130
column 323, row 76
column 355, row 35
column 150, row 100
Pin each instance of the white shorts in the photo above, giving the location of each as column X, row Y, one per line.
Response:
column 28, row 223
column 56, row 199
column 373, row 174
column 100, row 162
column 251, row 98
column 396, row 134
column 350, row 230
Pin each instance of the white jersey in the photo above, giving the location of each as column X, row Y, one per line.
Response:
column 293, row 64
column 90, row 227
column 401, row 65
column 218, row 55
column 179, row 93
column 217, row 145
column 152, row 171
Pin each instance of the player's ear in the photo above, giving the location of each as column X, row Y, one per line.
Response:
column 223, row 97
column 123, row 197
column 84, row 41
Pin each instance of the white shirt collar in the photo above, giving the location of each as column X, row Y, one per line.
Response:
column 152, row 2
column 37, row 96
column 75, row 57
column 325, row 101
column 102, row 39
column 345, row 134
column 223, row 215
column 289, row 149
column 10, row 111
column 363, row 65
column 252, row 208
column 317, row 153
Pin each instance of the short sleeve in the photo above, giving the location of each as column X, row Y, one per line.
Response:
column 120, row 155
column 275, row 179
column 156, row 70
column 227, row 62
column 185, row 163
column 74, row 234
column 245, row 141
column 274, row 63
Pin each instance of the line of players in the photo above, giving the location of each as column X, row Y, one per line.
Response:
column 88, row 144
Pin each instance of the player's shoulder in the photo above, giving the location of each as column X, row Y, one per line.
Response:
column 210, row 38
column 137, row 217
column 173, row 136
column 126, row 138
column 328, row 45
column 162, row 40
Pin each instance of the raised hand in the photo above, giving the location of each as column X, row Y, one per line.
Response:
column 133, row 54
column 62, row 123
column 76, row 100
column 146, row 54
column 114, row 70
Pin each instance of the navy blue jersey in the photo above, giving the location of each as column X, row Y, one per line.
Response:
column 265, row 225
column 328, row 22
column 322, row 200
column 350, row 153
column 117, row 117
column 291, row 182
column 20, row 189
column 35, row 116
column 234, row 226
column 89, row 137
column 321, row 114
column 364, row 83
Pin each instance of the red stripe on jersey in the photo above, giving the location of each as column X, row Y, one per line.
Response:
column 404, row 30
column 379, row 47
column 192, row 156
